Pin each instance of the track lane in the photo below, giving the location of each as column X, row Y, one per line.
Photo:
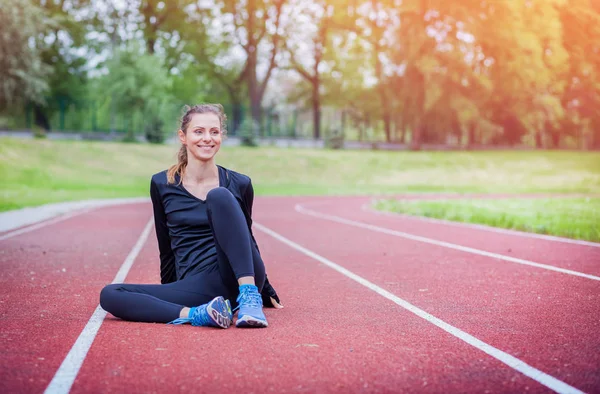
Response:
column 581, row 258
column 49, row 286
column 332, row 335
column 549, row 320
column 418, row 358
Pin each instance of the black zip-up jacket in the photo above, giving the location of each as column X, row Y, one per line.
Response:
column 240, row 186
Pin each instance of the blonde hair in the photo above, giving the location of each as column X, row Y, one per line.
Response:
column 182, row 159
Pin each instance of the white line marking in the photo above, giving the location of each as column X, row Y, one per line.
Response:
column 68, row 370
column 449, row 245
column 513, row 362
column 367, row 208
column 44, row 224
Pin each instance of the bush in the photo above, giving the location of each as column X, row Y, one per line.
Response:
column 154, row 131
column 335, row 140
column 129, row 137
column 39, row 132
column 248, row 131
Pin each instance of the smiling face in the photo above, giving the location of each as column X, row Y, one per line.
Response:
column 202, row 137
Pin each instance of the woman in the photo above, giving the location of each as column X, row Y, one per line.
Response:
column 208, row 254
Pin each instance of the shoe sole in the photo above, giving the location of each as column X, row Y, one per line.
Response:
column 219, row 311
column 250, row 322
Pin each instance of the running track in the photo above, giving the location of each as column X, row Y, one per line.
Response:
column 373, row 303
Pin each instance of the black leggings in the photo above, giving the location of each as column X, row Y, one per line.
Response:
column 237, row 256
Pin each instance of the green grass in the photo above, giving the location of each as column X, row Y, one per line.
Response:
column 577, row 218
column 34, row 172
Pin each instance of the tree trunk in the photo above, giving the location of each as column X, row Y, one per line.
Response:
column 150, row 45
column 417, row 134
column 385, row 103
column 555, row 136
column 361, row 129
column 316, row 108
column 40, row 118
column 236, row 115
column 471, row 135
column 150, row 29
column 538, row 139
column 252, row 63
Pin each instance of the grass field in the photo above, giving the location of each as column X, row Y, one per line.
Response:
column 34, row 172
column 577, row 218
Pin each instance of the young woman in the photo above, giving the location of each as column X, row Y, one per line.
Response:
column 209, row 258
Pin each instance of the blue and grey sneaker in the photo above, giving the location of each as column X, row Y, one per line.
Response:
column 216, row 313
column 250, row 306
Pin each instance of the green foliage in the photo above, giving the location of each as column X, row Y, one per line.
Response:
column 421, row 72
column 153, row 130
column 136, row 80
column 24, row 76
column 334, row 139
column 248, row 132
column 138, row 83
column 567, row 217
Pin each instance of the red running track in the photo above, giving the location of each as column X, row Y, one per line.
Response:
column 334, row 334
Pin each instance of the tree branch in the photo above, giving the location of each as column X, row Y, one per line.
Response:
column 274, row 50
column 298, row 67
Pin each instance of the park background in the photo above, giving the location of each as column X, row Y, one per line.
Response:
column 323, row 97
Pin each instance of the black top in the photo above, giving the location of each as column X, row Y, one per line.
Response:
column 185, row 240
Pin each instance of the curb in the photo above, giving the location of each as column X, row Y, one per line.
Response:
column 11, row 220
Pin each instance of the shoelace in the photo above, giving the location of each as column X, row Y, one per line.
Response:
column 199, row 318
column 247, row 297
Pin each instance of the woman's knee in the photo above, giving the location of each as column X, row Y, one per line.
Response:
column 108, row 295
column 220, row 195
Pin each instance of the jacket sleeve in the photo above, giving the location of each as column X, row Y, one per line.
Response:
column 167, row 258
column 249, row 199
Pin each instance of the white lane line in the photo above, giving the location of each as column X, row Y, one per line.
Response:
column 513, row 362
column 367, row 208
column 44, row 224
column 68, row 370
column 448, row 245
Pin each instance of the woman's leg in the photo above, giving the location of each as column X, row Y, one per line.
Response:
column 238, row 257
column 233, row 238
column 164, row 303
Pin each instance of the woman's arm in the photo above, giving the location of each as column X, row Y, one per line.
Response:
column 167, row 258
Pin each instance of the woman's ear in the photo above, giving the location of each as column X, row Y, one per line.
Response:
column 181, row 135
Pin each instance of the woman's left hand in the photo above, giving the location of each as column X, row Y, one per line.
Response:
column 275, row 303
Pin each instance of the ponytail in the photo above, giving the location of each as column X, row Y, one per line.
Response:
column 178, row 168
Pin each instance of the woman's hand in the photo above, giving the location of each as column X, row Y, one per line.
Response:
column 276, row 304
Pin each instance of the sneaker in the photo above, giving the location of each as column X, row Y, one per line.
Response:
column 216, row 313
column 250, row 306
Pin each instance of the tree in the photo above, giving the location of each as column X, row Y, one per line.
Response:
column 581, row 96
column 320, row 15
column 138, row 81
column 24, row 75
column 60, row 49
column 257, row 28
column 163, row 24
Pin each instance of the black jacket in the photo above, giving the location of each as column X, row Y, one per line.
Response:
column 240, row 186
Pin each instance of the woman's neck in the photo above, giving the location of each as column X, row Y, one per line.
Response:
column 199, row 172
